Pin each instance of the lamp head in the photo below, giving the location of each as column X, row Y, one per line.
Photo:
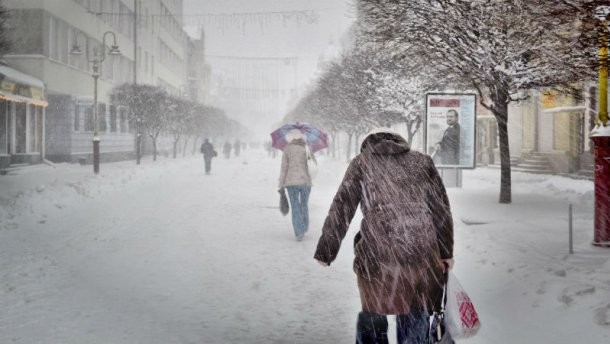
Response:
column 114, row 50
column 76, row 50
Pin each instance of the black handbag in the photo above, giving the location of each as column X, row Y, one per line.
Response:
column 284, row 207
column 438, row 331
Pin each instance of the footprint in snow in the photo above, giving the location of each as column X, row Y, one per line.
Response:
column 602, row 315
column 572, row 293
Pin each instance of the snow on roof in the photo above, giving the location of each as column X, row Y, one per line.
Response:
column 20, row 77
column 600, row 130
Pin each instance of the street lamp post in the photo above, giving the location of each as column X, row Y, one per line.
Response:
column 99, row 55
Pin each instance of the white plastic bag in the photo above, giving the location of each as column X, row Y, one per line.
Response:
column 461, row 318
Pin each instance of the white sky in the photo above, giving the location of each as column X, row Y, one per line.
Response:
column 271, row 36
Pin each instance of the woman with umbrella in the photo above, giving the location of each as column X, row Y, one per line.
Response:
column 294, row 176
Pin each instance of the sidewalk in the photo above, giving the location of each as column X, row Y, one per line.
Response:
column 208, row 251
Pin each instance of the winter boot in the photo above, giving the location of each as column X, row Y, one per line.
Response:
column 371, row 328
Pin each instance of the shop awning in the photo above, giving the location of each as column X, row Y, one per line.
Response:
column 19, row 87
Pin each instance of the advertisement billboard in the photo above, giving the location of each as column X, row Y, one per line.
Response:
column 450, row 129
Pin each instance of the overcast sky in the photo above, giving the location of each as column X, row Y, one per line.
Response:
column 239, row 28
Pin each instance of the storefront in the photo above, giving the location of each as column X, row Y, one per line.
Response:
column 22, row 117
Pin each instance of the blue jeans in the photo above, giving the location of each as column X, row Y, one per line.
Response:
column 299, row 197
column 411, row 328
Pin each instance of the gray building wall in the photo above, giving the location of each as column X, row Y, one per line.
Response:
column 44, row 32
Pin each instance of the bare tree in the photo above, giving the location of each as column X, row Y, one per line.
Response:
column 147, row 107
column 5, row 41
column 497, row 48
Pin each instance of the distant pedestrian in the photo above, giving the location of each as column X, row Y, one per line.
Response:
column 207, row 149
column 406, row 235
column 295, row 178
column 237, row 147
column 226, row 149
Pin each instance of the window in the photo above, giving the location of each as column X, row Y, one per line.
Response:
column 53, row 38
column 113, row 118
column 31, row 131
column 72, row 59
column 35, row 127
column 77, row 109
column 20, row 124
column 116, row 18
column 123, row 117
column 94, row 6
column 4, row 113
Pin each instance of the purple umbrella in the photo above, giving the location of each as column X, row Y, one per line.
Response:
column 316, row 139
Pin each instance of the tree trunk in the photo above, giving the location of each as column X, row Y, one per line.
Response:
column 501, row 115
column 410, row 133
column 154, row 143
column 186, row 141
column 175, row 148
column 195, row 145
column 333, row 144
column 348, row 151
column 412, row 129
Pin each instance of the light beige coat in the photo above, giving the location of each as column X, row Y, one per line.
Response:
column 294, row 165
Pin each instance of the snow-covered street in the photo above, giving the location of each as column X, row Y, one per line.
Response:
column 161, row 253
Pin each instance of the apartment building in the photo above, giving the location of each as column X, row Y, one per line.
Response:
column 153, row 50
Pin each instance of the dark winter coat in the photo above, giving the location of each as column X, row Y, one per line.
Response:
column 208, row 150
column 450, row 145
column 406, row 227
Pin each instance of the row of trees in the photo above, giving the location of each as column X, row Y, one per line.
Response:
column 360, row 91
column 498, row 49
column 152, row 111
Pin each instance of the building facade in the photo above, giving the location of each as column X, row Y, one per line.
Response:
column 548, row 133
column 22, row 118
column 153, row 50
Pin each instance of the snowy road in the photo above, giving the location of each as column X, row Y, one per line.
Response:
column 174, row 257
column 164, row 254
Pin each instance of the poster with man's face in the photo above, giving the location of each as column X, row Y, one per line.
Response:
column 450, row 129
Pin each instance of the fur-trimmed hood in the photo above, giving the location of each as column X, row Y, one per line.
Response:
column 385, row 143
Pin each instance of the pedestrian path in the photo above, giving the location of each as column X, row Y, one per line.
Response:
column 161, row 253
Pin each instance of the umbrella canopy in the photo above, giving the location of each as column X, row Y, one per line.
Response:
column 316, row 139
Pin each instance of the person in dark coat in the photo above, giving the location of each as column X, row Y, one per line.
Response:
column 207, row 149
column 449, row 146
column 226, row 149
column 405, row 238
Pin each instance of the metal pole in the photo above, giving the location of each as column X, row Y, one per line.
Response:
column 96, row 138
column 603, row 79
column 601, row 139
column 135, row 78
column 135, row 41
column 570, row 229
